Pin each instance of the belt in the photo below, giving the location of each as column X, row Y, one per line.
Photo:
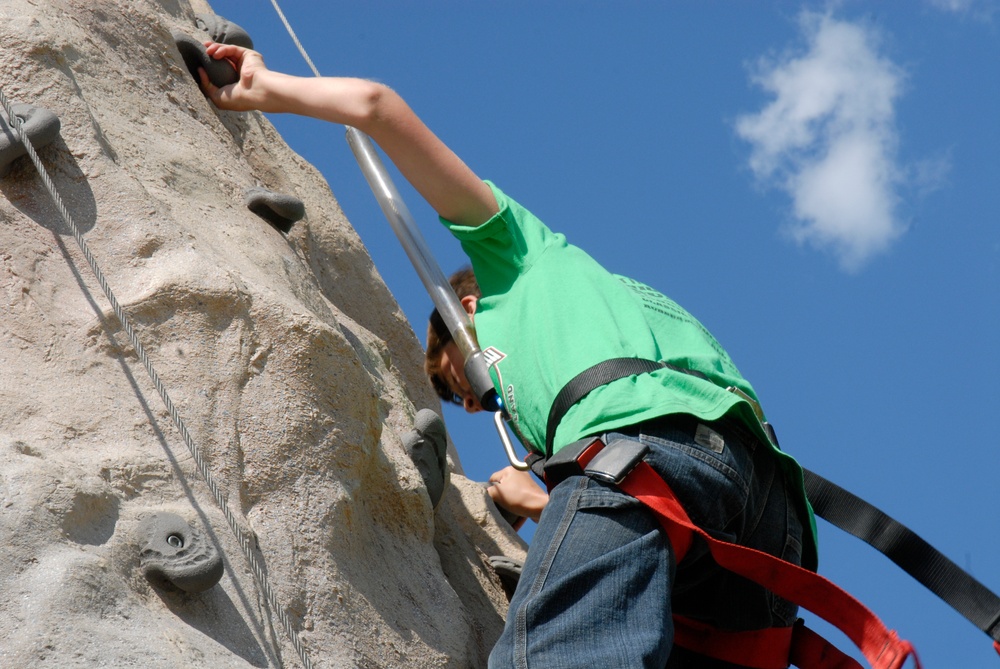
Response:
column 590, row 457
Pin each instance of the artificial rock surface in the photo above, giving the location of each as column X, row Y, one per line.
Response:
column 291, row 364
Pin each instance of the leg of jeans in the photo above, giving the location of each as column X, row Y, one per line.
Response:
column 599, row 585
column 595, row 587
column 736, row 493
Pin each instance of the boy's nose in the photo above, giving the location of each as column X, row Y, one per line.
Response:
column 471, row 403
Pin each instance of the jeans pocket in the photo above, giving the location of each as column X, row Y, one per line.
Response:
column 712, row 486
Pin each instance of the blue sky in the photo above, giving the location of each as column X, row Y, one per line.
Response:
column 817, row 183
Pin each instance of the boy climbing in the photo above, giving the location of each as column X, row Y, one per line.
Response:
column 600, row 585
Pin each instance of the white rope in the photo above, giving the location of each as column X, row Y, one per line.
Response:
column 220, row 497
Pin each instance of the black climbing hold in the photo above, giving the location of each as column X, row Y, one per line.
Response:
column 41, row 126
column 222, row 31
column 512, row 518
column 427, row 446
column 279, row 210
column 172, row 553
column 509, row 572
column 220, row 72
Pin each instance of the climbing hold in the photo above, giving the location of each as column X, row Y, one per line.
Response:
column 172, row 553
column 41, row 126
column 279, row 210
column 509, row 572
column 220, row 72
column 222, row 31
column 427, row 446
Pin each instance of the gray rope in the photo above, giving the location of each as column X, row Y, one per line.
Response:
column 220, row 497
column 291, row 33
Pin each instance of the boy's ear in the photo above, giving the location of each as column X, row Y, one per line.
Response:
column 469, row 303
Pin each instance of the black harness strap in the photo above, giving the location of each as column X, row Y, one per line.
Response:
column 594, row 377
column 840, row 508
column 916, row 557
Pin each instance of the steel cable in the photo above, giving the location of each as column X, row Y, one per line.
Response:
column 220, row 497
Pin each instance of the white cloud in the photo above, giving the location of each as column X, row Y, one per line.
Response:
column 952, row 5
column 982, row 10
column 828, row 139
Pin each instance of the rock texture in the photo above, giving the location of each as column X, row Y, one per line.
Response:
column 292, row 366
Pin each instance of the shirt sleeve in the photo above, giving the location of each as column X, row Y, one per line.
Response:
column 506, row 246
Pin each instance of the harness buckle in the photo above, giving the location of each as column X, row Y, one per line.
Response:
column 754, row 404
column 571, row 460
column 610, row 463
column 617, row 461
column 758, row 411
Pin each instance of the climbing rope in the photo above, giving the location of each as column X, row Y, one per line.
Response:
column 291, row 33
column 220, row 497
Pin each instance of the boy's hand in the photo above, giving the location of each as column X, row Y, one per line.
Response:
column 244, row 95
column 517, row 492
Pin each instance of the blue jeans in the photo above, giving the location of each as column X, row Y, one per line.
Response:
column 600, row 583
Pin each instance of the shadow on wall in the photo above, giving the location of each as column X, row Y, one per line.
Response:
column 23, row 188
column 213, row 614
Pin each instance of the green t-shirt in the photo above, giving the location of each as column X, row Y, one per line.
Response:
column 549, row 311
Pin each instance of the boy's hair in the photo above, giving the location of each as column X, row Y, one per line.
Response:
column 464, row 283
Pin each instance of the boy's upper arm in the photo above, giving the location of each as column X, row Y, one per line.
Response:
column 437, row 173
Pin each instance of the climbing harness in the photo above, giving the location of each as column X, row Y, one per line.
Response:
column 244, row 539
column 623, row 465
column 401, row 220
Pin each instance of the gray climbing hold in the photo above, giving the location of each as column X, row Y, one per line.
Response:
column 172, row 553
column 279, row 210
column 427, row 446
column 41, row 126
column 509, row 572
column 222, row 31
column 220, row 72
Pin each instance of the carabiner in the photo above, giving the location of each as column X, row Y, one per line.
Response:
column 508, row 447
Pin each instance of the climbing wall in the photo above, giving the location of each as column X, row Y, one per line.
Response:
column 283, row 352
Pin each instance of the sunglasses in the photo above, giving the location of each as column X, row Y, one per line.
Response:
column 445, row 392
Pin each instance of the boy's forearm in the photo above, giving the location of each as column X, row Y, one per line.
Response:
column 337, row 99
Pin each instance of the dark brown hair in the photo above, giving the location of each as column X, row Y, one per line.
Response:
column 464, row 283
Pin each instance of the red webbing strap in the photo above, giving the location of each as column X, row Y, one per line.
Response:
column 996, row 647
column 811, row 650
column 770, row 648
column 881, row 647
column 761, row 649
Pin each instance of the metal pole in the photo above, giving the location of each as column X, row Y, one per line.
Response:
column 437, row 286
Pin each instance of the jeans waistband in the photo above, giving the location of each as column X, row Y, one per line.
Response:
column 728, row 427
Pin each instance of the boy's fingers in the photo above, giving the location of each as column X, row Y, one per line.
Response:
column 207, row 86
column 231, row 52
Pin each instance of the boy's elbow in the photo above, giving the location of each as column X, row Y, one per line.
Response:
column 373, row 99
